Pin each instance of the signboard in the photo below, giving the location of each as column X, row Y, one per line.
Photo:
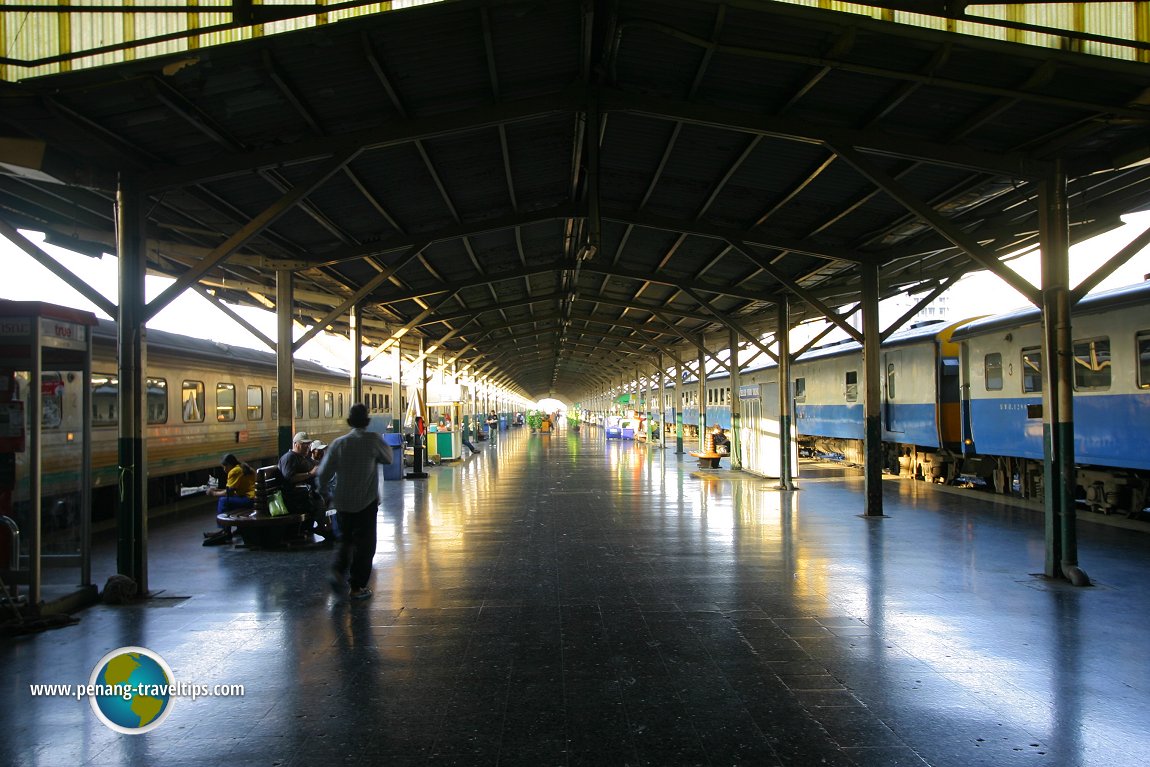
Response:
column 63, row 335
column 15, row 327
column 750, row 391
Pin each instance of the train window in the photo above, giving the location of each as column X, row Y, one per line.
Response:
column 225, row 402
column 387, row 403
column 312, row 403
column 890, row 380
column 105, row 399
column 1032, row 369
column 275, row 396
column 255, row 403
column 298, row 403
column 1092, row 364
column 328, row 405
column 993, row 371
column 192, row 397
column 339, row 405
column 157, row 400
column 800, row 389
column 1144, row 360
column 852, row 386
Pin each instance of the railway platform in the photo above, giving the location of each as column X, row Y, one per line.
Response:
column 573, row 600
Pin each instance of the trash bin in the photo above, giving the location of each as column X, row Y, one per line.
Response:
column 394, row 470
column 502, row 423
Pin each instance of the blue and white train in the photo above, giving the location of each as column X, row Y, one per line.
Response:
column 962, row 402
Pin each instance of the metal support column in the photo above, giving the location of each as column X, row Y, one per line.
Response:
column 1058, row 385
column 736, row 403
column 662, row 400
column 702, row 392
column 419, row 437
column 783, row 333
column 398, row 409
column 285, row 373
column 872, row 400
column 677, row 408
column 131, row 343
column 355, row 318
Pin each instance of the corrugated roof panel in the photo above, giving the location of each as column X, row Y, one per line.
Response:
column 1121, row 21
column 628, row 166
column 539, row 153
column 697, row 163
column 1113, row 19
column 32, row 36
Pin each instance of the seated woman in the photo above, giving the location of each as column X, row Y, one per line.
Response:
column 238, row 492
column 720, row 443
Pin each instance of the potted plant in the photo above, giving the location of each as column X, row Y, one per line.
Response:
column 534, row 420
column 573, row 422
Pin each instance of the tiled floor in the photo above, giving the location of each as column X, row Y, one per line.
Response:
column 563, row 600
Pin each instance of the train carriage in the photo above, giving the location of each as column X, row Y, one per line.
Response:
column 1003, row 411
column 203, row 399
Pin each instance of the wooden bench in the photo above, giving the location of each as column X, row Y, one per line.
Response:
column 708, row 458
column 257, row 526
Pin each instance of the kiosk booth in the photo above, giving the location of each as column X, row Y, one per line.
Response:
column 46, row 454
column 446, row 420
column 444, row 437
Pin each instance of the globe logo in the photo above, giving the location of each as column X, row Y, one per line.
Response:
column 131, row 690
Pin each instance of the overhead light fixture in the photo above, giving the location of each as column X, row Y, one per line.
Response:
column 587, row 252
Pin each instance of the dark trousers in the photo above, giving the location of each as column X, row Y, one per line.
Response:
column 232, row 502
column 356, row 545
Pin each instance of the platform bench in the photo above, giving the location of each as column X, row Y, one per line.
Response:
column 708, row 460
column 257, row 526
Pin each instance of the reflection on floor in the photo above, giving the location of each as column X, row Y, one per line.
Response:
column 567, row 600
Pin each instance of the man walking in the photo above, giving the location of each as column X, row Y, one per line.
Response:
column 353, row 461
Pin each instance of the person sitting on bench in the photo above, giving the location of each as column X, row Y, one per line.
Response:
column 298, row 469
column 238, row 492
column 719, row 442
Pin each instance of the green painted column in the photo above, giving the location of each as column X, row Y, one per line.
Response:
column 1059, row 473
column 285, row 366
column 131, row 339
column 786, row 400
column 702, row 387
column 872, row 400
column 736, row 403
column 677, row 404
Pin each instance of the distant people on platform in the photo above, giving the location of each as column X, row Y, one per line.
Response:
column 492, row 424
column 299, row 468
column 719, row 442
column 238, row 492
column 518, row 419
column 353, row 461
column 465, row 436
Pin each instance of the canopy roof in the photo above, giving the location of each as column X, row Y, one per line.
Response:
column 555, row 193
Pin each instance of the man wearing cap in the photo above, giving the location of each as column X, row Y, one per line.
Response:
column 353, row 461
column 300, row 492
column 296, row 465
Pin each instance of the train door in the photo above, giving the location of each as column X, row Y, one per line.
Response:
column 950, row 416
column 966, row 436
column 750, row 443
column 893, row 371
column 760, row 437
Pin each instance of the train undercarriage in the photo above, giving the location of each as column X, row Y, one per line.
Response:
column 1101, row 490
